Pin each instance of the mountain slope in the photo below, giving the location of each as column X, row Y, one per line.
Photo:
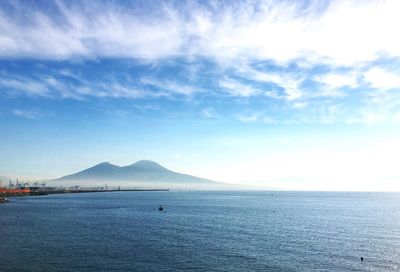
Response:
column 141, row 171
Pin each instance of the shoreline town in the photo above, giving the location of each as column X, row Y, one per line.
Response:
column 26, row 189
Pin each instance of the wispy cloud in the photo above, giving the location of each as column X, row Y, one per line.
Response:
column 289, row 81
column 210, row 113
column 40, row 85
column 26, row 85
column 118, row 90
column 262, row 30
column 171, row 87
column 52, row 87
column 236, row 88
column 304, row 61
column 255, row 117
column 24, row 114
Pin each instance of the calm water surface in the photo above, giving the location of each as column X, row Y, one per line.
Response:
column 202, row 231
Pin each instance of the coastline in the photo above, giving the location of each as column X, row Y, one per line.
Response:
column 5, row 195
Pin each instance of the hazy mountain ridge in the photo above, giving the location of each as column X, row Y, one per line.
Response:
column 141, row 171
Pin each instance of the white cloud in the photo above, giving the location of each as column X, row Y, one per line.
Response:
column 118, row 90
column 242, row 34
column 337, row 80
column 292, row 89
column 87, row 31
column 209, row 113
column 171, row 87
column 45, row 86
column 299, row 105
column 257, row 117
column 340, row 33
column 379, row 78
column 51, row 87
column 27, row 85
column 24, row 114
column 289, row 82
column 71, row 74
column 249, row 118
column 235, row 88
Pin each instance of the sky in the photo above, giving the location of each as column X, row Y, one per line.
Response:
column 301, row 95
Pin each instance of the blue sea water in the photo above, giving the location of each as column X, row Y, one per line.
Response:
column 202, row 231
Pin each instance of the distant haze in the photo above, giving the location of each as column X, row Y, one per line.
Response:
column 144, row 174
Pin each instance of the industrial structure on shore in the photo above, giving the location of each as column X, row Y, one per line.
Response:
column 30, row 189
column 23, row 188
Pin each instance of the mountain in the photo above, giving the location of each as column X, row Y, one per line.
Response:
column 140, row 173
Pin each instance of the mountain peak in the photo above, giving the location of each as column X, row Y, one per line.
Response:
column 104, row 165
column 148, row 165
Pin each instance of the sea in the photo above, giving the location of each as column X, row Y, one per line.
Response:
column 202, row 231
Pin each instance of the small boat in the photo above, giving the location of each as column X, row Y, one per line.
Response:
column 161, row 208
column 4, row 200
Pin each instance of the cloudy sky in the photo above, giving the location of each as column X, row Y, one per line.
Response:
column 283, row 94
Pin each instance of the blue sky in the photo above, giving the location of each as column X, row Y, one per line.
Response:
column 285, row 94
